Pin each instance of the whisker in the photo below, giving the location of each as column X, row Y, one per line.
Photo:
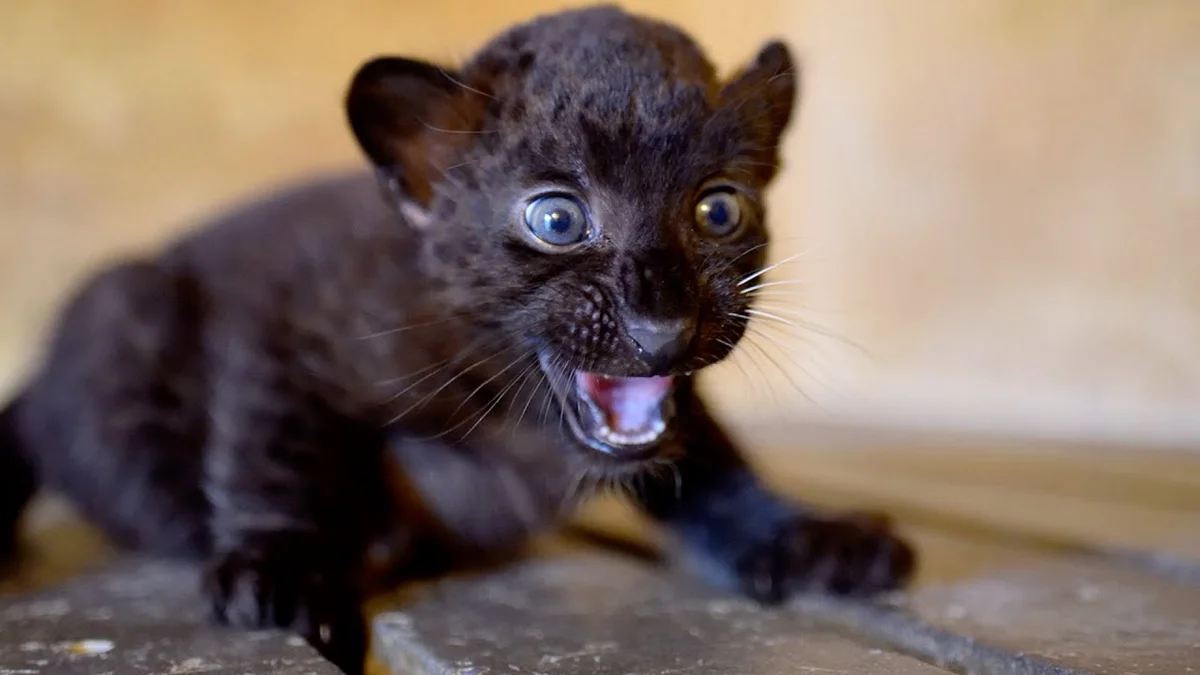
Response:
column 406, row 376
column 532, row 392
column 750, row 162
column 521, row 377
column 448, row 363
column 516, row 397
column 816, row 370
column 573, row 489
column 791, row 293
column 735, row 352
column 801, row 323
column 459, row 313
column 489, row 381
column 476, row 391
column 735, row 105
column 495, row 401
column 459, row 132
column 462, row 164
column 787, row 353
column 812, row 345
column 408, row 327
column 425, row 399
column 444, row 365
column 549, row 400
column 762, row 373
column 750, row 322
column 747, row 279
column 625, row 484
column 769, row 284
column 781, row 369
column 731, row 262
column 562, row 409
column 455, row 80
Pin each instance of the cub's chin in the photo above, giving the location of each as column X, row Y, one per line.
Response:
column 624, row 419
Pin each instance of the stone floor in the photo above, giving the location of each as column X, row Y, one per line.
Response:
column 1037, row 559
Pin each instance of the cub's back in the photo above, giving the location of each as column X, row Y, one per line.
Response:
column 118, row 412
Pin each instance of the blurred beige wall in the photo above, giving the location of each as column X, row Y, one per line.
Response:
column 999, row 201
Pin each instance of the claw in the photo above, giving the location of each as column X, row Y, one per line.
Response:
column 858, row 555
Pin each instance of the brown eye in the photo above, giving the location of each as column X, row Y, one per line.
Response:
column 719, row 213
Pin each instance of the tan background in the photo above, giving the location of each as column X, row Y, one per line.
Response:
column 999, row 201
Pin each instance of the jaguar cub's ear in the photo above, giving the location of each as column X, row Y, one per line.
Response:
column 765, row 92
column 411, row 118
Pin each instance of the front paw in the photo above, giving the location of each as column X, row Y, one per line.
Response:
column 849, row 556
column 266, row 591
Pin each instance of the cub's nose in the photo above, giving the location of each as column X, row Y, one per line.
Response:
column 661, row 342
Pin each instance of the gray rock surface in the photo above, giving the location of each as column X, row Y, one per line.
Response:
column 137, row 617
column 594, row 614
column 1088, row 614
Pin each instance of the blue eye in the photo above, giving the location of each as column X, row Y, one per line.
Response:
column 557, row 220
column 719, row 213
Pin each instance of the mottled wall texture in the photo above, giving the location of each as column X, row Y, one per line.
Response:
column 997, row 202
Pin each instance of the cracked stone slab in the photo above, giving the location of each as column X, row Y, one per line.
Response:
column 596, row 614
column 137, row 617
column 1087, row 614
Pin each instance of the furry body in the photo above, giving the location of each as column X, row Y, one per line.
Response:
column 397, row 370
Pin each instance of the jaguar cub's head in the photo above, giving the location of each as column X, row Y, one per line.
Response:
column 588, row 186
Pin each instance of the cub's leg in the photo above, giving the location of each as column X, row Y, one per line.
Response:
column 744, row 536
column 293, row 489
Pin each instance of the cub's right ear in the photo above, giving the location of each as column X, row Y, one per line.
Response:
column 764, row 95
column 410, row 117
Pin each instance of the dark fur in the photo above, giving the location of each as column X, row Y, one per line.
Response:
column 315, row 387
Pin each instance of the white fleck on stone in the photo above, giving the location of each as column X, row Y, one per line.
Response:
column 772, row 641
column 296, row 641
column 720, row 607
column 955, row 612
column 192, row 665
column 398, row 621
column 92, row 647
column 31, row 646
column 1088, row 593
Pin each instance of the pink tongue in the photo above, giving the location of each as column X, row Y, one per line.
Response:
column 630, row 404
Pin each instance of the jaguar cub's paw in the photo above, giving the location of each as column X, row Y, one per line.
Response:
column 264, row 591
column 857, row 556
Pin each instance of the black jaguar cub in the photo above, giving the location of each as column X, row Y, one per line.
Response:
column 424, row 363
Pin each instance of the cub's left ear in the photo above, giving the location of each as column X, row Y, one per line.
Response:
column 765, row 90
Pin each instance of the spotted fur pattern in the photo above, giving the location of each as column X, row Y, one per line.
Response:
column 342, row 379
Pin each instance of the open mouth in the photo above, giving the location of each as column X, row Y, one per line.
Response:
column 623, row 417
